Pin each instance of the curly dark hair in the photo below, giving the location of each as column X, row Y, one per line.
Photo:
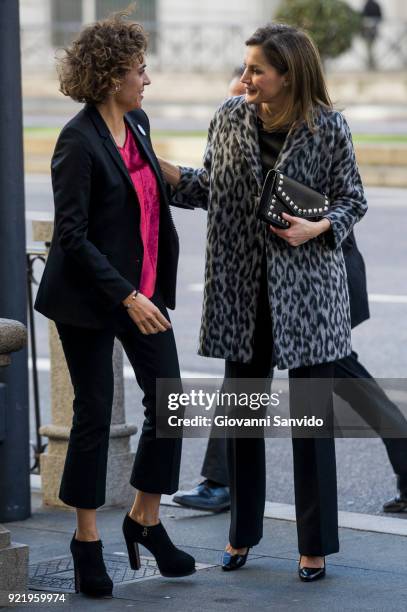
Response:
column 96, row 61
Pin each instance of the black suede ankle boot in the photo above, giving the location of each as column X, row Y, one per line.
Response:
column 91, row 577
column 171, row 561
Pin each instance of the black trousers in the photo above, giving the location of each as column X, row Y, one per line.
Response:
column 369, row 401
column 88, row 353
column 314, row 458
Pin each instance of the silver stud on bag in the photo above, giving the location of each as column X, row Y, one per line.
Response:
column 278, row 188
column 283, row 193
column 326, row 207
column 319, row 209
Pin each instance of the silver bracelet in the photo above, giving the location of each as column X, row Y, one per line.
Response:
column 133, row 297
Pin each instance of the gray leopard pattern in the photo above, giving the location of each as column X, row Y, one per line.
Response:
column 307, row 285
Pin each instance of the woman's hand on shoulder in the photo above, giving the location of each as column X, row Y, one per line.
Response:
column 301, row 230
column 145, row 314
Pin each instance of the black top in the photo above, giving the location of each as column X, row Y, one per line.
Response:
column 270, row 144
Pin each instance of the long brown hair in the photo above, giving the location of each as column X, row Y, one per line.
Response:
column 292, row 52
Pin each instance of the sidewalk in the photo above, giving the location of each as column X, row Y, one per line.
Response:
column 382, row 164
column 179, row 128
column 369, row 573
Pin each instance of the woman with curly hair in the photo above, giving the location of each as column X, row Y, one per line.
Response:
column 111, row 273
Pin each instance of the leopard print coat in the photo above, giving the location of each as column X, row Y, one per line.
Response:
column 307, row 285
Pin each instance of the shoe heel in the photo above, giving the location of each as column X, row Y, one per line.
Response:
column 77, row 579
column 134, row 555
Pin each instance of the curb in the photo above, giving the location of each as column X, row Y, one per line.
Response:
column 286, row 512
column 380, row 164
column 347, row 520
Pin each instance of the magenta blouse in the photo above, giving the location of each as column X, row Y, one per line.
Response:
column 145, row 184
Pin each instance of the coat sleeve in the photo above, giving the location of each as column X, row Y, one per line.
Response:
column 347, row 200
column 71, row 171
column 193, row 187
column 146, row 125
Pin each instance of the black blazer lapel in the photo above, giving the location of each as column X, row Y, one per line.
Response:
column 117, row 158
column 143, row 142
column 108, row 140
column 141, row 138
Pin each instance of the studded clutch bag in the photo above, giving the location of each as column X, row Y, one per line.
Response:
column 283, row 194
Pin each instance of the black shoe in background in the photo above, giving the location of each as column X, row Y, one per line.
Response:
column 207, row 496
column 398, row 504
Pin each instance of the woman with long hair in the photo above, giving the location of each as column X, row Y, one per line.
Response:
column 278, row 295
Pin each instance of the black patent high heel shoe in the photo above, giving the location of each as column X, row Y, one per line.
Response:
column 309, row 574
column 233, row 562
column 91, row 577
column 171, row 561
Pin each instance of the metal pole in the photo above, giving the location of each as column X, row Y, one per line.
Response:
column 37, row 446
column 14, row 450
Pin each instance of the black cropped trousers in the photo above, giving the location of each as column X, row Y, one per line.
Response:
column 88, row 354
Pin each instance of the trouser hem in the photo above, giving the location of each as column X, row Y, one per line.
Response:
column 70, row 501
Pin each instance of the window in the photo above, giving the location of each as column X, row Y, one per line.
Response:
column 146, row 10
column 145, row 13
column 66, row 19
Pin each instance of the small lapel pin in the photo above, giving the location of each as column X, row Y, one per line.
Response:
column 141, row 129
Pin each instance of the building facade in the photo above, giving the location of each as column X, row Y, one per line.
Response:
column 188, row 35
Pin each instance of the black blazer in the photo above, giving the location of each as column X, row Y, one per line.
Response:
column 96, row 254
column 356, row 271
